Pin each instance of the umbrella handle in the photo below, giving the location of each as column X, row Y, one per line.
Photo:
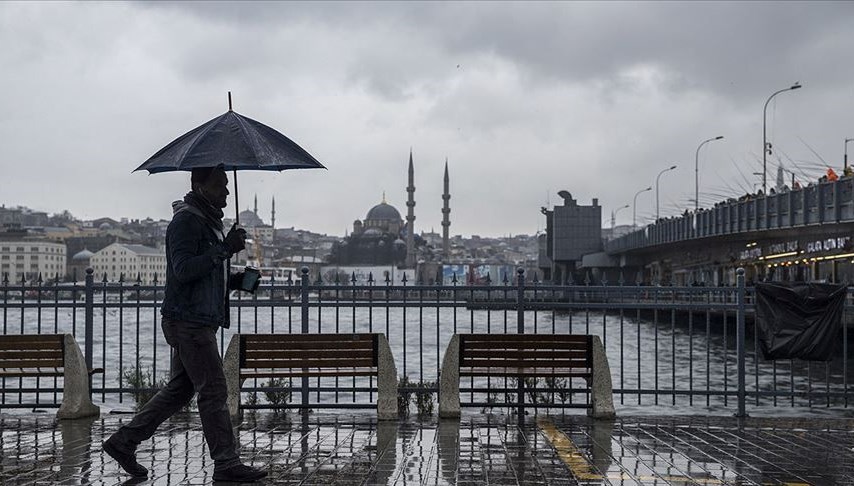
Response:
column 236, row 205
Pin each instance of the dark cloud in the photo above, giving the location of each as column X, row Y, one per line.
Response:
column 524, row 98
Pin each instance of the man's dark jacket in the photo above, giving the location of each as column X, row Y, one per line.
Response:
column 195, row 269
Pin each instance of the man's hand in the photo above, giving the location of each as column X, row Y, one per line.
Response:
column 235, row 240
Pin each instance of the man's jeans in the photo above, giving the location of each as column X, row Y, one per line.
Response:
column 196, row 367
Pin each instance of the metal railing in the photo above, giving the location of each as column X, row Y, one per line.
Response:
column 821, row 203
column 673, row 348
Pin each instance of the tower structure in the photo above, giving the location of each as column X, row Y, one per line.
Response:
column 446, row 213
column 273, row 219
column 256, row 205
column 410, row 216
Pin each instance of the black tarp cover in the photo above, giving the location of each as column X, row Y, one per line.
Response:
column 799, row 320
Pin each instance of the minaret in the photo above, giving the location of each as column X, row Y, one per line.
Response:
column 273, row 215
column 446, row 211
column 273, row 219
column 256, row 204
column 410, row 216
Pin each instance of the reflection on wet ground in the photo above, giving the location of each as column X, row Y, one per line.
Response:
column 478, row 449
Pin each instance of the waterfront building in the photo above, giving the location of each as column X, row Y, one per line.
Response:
column 27, row 259
column 121, row 259
column 572, row 231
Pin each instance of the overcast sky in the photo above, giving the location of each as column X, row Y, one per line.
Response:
column 523, row 99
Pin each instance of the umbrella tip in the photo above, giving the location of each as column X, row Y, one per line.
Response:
column 229, row 101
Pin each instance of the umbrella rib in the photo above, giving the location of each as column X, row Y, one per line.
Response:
column 201, row 135
column 246, row 127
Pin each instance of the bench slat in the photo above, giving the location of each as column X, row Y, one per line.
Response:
column 29, row 353
column 516, row 363
column 525, row 354
column 297, row 338
column 253, row 354
column 529, row 371
column 32, row 363
column 5, row 339
column 310, row 345
column 31, row 345
column 311, row 372
column 320, row 362
column 525, row 338
column 521, row 345
column 29, row 372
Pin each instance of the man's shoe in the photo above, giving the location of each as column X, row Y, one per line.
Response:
column 125, row 460
column 240, row 473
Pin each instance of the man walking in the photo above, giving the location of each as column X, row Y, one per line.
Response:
column 194, row 308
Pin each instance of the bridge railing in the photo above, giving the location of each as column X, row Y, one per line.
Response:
column 824, row 202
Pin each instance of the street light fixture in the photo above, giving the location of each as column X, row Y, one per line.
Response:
column 635, row 206
column 657, row 216
column 764, row 138
column 697, row 171
column 845, row 165
column 614, row 215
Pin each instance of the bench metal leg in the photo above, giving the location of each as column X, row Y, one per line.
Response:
column 449, row 381
column 386, row 381
column 231, row 367
column 76, row 402
column 602, row 394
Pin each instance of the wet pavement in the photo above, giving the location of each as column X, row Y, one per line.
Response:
column 350, row 449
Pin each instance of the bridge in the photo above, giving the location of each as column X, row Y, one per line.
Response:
column 807, row 230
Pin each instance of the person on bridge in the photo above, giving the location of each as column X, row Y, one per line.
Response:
column 194, row 308
column 831, row 175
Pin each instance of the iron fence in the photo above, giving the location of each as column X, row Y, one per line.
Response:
column 675, row 348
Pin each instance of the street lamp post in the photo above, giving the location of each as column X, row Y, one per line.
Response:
column 845, row 164
column 657, row 215
column 614, row 215
column 697, row 171
column 635, row 206
column 764, row 139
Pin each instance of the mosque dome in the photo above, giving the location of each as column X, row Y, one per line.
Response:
column 83, row 255
column 248, row 219
column 105, row 226
column 372, row 232
column 383, row 212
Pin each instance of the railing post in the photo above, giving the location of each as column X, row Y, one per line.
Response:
column 89, row 321
column 520, row 301
column 742, row 394
column 304, row 329
column 520, row 328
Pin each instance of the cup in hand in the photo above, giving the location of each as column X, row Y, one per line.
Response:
column 251, row 279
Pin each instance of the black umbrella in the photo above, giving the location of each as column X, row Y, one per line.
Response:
column 233, row 142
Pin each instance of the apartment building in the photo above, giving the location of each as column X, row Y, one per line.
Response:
column 26, row 260
column 129, row 260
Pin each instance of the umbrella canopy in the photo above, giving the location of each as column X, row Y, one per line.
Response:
column 233, row 142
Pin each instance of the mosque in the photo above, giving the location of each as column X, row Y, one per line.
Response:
column 384, row 238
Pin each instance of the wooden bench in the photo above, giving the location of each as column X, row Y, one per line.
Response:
column 523, row 356
column 51, row 355
column 312, row 355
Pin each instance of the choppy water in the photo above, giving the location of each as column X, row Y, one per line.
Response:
column 642, row 355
